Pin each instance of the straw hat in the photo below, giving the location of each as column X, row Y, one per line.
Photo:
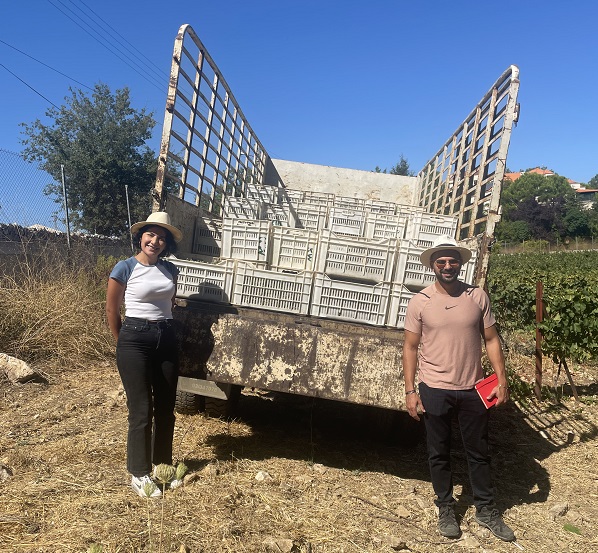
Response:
column 444, row 243
column 159, row 219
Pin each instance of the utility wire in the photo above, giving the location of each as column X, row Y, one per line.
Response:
column 150, row 65
column 28, row 85
column 45, row 64
column 100, row 41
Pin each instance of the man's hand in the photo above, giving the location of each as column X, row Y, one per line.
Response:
column 414, row 405
column 501, row 392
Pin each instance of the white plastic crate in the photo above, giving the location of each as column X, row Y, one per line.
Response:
column 205, row 281
column 411, row 272
column 288, row 196
column 424, row 228
column 350, row 301
column 355, row 258
column 346, row 202
column 293, row 249
column 349, row 222
column 277, row 214
column 381, row 206
column 207, row 239
column 318, row 198
column 242, row 208
column 261, row 193
column 397, row 309
column 308, row 216
column 383, row 226
column 246, row 239
column 271, row 290
column 468, row 275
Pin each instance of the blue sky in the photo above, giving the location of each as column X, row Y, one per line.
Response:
column 342, row 83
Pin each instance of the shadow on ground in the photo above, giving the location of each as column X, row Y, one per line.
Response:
column 345, row 436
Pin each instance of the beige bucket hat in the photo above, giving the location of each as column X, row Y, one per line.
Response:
column 159, row 219
column 444, row 243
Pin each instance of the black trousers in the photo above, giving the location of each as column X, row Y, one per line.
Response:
column 441, row 406
column 146, row 356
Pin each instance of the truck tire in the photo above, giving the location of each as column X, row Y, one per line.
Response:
column 187, row 403
column 224, row 408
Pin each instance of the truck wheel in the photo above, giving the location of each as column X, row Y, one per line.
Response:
column 187, row 403
column 224, row 408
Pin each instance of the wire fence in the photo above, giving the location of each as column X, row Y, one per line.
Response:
column 29, row 218
column 543, row 246
column 22, row 198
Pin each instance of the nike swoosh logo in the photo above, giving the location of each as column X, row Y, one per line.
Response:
column 449, row 306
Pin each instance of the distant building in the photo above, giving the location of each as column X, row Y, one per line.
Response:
column 544, row 172
column 586, row 196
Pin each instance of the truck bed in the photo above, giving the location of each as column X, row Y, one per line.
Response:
column 303, row 355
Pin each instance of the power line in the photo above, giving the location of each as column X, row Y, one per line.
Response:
column 150, row 65
column 102, row 43
column 45, row 64
column 28, row 85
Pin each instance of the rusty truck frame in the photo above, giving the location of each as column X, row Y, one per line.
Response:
column 209, row 150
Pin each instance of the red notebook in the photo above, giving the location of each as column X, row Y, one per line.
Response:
column 485, row 387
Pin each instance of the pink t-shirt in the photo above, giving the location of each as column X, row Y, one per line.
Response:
column 450, row 327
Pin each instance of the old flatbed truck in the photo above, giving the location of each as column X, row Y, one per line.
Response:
column 210, row 158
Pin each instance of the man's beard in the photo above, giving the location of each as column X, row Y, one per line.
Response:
column 447, row 278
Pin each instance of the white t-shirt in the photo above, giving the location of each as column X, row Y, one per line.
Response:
column 149, row 288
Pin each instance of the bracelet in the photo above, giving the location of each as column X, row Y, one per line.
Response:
column 503, row 386
column 411, row 392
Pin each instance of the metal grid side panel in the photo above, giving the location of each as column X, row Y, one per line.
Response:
column 208, row 148
column 464, row 178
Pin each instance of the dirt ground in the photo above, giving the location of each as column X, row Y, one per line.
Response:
column 289, row 474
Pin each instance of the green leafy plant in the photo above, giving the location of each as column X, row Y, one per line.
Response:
column 572, row 528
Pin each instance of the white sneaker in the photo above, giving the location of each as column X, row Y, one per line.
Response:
column 144, row 486
column 175, row 484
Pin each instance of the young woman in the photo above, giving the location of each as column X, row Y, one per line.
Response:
column 146, row 352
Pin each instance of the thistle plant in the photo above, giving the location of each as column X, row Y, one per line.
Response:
column 164, row 474
column 181, row 470
column 148, row 489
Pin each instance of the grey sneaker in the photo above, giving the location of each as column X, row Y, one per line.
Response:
column 489, row 517
column 144, row 486
column 447, row 523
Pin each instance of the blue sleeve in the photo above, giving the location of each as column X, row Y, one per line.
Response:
column 123, row 269
column 171, row 268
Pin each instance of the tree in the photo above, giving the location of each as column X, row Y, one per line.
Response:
column 100, row 141
column 400, row 168
column 513, row 231
column 547, row 205
column 593, row 183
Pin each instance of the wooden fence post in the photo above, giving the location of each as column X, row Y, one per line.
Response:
column 539, row 318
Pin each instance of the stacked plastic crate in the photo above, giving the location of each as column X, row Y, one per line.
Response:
column 354, row 270
column 315, row 253
column 422, row 231
column 273, row 270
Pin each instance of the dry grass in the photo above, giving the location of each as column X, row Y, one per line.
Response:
column 53, row 309
column 329, row 487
